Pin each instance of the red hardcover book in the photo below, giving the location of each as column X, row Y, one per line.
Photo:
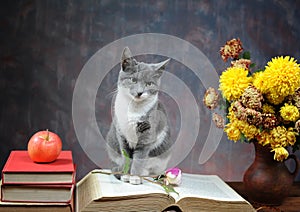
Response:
column 20, row 169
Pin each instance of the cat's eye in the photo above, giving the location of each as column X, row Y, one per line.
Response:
column 149, row 83
column 133, row 80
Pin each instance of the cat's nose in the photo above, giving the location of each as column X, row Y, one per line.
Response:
column 139, row 94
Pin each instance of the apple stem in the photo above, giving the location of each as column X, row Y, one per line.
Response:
column 47, row 136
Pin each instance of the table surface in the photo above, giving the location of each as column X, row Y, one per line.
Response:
column 290, row 204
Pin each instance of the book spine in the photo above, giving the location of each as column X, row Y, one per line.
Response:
column 8, row 161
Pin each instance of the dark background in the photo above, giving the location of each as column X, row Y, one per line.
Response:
column 45, row 44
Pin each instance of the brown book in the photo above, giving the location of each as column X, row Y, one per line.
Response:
column 36, row 207
column 100, row 192
column 37, row 193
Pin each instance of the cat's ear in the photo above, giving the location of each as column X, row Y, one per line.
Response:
column 160, row 67
column 126, row 54
column 127, row 60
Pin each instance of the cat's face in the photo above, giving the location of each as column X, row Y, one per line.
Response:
column 138, row 80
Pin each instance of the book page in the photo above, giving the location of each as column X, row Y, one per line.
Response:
column 112, row 187
column 205, row 186
column 87, row 190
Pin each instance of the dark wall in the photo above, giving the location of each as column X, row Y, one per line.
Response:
column 45, row 44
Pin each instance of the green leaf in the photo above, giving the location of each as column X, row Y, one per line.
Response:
column 243, row 138
column 260, row 128
column 223, row 103
column 246, row 55
column 252, row 65
column 127, row 162
column 258, row 70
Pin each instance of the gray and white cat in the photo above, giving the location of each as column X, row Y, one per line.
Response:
column 139, row 125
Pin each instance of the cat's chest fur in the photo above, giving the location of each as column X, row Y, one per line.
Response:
column 128, row 113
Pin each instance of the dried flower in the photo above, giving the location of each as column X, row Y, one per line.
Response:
column 211, row 98
column 297, row 126
column 241, row 63
column 232, row 49
column 295, row 98
column 247, row 114
column 218, row 120
column 269, row 121
column 252, row 98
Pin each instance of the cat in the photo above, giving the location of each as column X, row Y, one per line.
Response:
column 139, row 125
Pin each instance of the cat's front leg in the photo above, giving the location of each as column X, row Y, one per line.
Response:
column 139, row 162
column 136, row 171
column 136, row 179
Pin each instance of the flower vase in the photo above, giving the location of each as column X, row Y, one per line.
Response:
column 268, row 181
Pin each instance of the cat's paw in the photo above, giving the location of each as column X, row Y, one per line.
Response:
column 125, row 178
column 135, row 180
column 142, row 126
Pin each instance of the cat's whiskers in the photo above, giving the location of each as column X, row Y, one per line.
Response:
column 111, row 94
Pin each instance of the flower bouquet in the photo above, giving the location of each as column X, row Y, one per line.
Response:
column 262, row 105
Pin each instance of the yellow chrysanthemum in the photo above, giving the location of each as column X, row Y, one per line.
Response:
column 230, row 114
column 232, row 131
column 233, row 82
column 274, row 98
column 289, row 112
column 280, row 79
column 282, row 137
column 250, row 131
column 236, row 128
column 264, row 138
column 258, row 81
column 268, row 109
column 280, row 154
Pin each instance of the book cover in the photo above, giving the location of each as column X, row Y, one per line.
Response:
column 20, row 169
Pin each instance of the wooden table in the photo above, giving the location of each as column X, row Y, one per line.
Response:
column 290, row 204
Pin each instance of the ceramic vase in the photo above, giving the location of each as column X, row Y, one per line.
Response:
column 267, row 181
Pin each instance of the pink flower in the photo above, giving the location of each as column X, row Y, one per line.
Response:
column 173, row 176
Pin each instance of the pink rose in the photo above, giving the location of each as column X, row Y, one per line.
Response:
column 173, row 176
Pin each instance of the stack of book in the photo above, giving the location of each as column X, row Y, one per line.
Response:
column 30, row 186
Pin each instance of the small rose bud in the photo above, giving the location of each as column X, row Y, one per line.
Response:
column 173, row 176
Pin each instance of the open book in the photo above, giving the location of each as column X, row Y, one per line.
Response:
column 101, row 192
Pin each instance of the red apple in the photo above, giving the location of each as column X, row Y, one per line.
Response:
column 44, row 147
